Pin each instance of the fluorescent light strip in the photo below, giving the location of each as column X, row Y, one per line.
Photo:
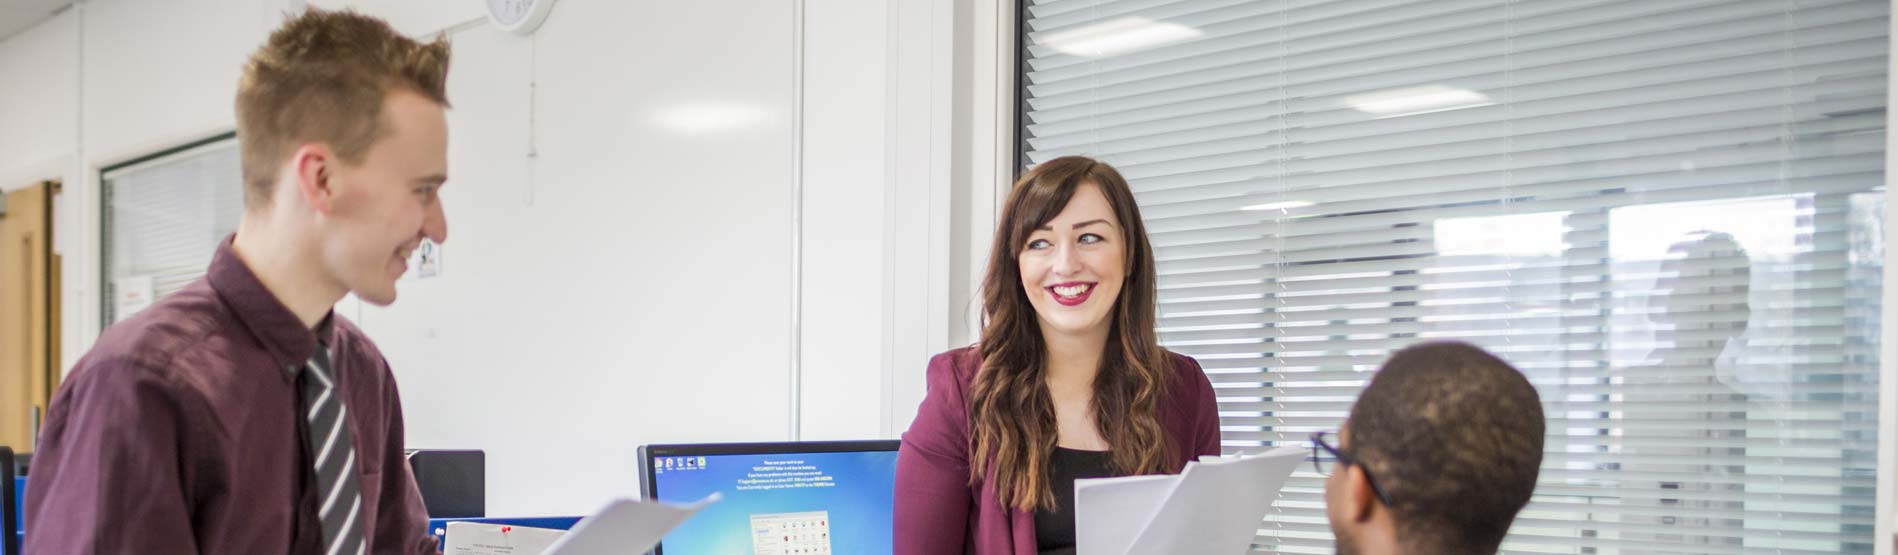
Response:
column 1416, row 100
column 1118, row 36
column 1286, row 205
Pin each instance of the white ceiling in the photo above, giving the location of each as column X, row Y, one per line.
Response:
column 19, row 15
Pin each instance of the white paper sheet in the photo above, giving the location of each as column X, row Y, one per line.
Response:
column 1212, row 508
column 625, row 527
column 1109, row 513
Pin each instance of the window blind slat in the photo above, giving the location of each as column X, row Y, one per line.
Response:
column 1448, row 267
column 1554, row 507
column 1592, row 425
column 1548, row 275
column 1668, row 410
column 1738, row 167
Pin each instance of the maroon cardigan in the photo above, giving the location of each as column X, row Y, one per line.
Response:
column 938, row 512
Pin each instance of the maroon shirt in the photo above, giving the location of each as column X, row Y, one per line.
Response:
column 938, row 512
column 179, row 433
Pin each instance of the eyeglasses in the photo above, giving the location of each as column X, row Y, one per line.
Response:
column 1326, row 459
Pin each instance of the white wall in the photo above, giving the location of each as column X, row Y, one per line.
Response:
column 982, row 157
column 625, row 287
column 845, row 60
column 154, row 72
column 39, row 110
column 632, row 283
column 416, row 17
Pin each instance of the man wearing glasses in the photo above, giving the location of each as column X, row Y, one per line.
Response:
column 1439, row 454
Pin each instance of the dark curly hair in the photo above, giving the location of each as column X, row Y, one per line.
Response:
column 1454, row 437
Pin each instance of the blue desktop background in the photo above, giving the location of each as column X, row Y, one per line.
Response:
column 860, row 503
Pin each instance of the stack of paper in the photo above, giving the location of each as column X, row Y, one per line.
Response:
column 1214, row 507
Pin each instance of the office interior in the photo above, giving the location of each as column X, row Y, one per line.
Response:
column 756, row 220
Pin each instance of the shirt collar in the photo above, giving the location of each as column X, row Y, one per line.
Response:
column 275, row 327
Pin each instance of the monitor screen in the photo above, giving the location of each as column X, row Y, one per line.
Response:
column 777, row 499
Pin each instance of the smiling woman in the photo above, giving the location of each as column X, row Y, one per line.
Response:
column 1067, row 382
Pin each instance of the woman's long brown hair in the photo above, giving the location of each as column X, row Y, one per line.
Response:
column 1011, row 411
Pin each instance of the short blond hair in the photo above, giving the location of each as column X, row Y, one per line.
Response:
column 322, row 77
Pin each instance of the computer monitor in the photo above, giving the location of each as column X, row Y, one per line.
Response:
column 814, row 498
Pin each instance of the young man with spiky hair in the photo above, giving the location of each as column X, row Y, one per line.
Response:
column 241, row 415
column 1438, row 455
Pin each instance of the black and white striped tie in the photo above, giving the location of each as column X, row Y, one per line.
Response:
column 339, row 499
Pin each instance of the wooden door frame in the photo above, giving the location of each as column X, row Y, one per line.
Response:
column 41, row 321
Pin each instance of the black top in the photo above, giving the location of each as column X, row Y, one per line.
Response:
column 1054, row 530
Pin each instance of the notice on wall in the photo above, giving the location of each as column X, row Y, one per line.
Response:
column 425, row 261
column 130, row 295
